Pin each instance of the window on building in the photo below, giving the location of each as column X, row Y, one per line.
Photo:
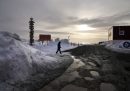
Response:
column 121, row 32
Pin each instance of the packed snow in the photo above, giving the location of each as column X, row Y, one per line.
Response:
column 117, row 45
column 26, row 68
column 51, row 46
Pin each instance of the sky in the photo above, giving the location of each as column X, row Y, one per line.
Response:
column 85, row 21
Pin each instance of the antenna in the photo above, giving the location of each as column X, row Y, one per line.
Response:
column 69, row 36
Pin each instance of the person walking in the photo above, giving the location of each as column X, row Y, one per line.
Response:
column 59, row 48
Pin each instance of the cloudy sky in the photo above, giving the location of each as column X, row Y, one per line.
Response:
column 85, row 21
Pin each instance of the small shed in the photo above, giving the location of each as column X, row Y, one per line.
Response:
column 44, row 37
column 119, row 33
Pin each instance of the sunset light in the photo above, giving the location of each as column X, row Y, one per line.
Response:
column 64, row 45
column 84, row 27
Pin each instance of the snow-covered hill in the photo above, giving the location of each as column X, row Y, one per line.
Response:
column 24, row 68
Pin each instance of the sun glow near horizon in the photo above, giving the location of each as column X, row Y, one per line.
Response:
column 79, row 33
column 84, row 27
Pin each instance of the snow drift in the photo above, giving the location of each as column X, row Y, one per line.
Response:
column 23, row 68
column 117, row 46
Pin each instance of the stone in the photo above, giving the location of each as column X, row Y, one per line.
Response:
column 88, row 78
column 107, row 87
column 69, row 77
column 87, row 67
column 94, row 73
column 107, row 67
column 95, row 59
column 73, row 88
column 91, row 63
column 47, row 88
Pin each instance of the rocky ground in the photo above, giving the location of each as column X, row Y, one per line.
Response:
column 94, row 69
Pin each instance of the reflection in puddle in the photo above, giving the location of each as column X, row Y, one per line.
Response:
column 76, row 64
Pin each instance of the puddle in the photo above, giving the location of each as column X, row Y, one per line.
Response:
column 76, row 64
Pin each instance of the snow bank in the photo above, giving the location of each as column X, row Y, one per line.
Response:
column 51, row 47
column 117, row 46
column 23, row 68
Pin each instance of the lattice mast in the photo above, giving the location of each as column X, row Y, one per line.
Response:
column 31, row 27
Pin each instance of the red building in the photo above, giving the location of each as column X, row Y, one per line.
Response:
column 43, row 37
column 119, row 33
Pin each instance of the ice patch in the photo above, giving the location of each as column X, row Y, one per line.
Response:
column 88, row 78
column 76, row 64
column 117, row 45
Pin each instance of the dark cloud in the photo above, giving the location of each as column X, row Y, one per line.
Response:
column 50, row 32
column 58, row 14
column 118, row 19
column 99, row 22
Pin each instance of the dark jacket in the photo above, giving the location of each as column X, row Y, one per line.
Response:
column 59, row 45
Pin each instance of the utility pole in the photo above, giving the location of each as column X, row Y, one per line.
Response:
column 31, row 27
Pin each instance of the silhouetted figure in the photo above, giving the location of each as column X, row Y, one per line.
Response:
column 58, row 48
